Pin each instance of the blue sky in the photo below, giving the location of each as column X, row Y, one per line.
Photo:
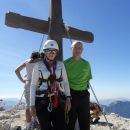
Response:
column 108, row 55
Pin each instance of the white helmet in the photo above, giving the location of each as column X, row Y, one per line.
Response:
column 50, row 44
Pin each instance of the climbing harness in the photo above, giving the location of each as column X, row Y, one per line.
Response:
column 50, row 105
column 54, row 87
column 50, row 108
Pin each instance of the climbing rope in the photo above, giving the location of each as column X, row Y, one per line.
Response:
column 41, row 43
column 49, row 29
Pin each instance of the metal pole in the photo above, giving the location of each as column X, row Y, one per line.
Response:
column 99, row 105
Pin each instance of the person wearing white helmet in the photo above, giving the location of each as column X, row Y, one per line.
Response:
column 48, row 89
column 79, row 74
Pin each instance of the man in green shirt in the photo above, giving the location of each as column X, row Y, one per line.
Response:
column 79, row 74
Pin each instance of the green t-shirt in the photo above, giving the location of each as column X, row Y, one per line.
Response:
column 79, row 73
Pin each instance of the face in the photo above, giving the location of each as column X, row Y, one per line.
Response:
column 77, row 49
column 51, row 54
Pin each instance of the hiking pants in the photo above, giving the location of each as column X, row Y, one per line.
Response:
column 80, row 109
column 46, row 118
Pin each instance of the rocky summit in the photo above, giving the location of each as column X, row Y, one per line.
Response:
column 16, row 117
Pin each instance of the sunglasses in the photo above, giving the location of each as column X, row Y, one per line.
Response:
column 51, row 51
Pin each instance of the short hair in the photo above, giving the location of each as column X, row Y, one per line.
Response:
column 42, row 55
column 35, row 55
column 75, row 42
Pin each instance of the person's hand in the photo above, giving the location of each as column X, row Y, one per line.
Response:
column 68, row 104
column 33, row 111
column 23, row 81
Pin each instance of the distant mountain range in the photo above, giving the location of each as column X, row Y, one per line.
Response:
column 107, row 102
column 121, row 108
column 9, row 103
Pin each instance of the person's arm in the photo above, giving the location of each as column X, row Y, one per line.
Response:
column 67, row 90
column 18, row 70
column 34, row 84
column 97, row 109
column 90, row 72
column 65, row 82
column 89, row 75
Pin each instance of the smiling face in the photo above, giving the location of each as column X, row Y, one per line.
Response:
column 50, row 54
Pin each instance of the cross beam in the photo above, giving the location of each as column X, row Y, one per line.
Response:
column 53, row 27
